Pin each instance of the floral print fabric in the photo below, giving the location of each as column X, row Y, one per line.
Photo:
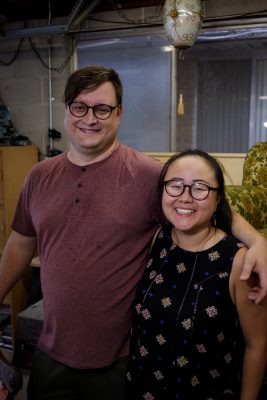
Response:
column 250, row 202
column 255, row 166
column 186, row 340
column 250, row 198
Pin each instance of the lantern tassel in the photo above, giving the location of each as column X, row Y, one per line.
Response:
column 181, row 105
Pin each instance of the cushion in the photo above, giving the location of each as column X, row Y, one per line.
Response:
column 255, row 165
column 250, row 202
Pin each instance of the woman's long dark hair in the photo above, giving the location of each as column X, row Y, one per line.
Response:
column 223, row 215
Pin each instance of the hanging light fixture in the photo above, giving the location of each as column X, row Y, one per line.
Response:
column 182, row 21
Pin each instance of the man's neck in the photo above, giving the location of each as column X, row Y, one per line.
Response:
column 87, row 157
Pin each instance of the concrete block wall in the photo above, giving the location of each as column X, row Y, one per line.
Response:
column 24, row 88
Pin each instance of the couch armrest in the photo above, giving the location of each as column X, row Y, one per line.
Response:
column 250, row 202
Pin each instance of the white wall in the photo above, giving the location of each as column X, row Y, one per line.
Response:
column 232, row 164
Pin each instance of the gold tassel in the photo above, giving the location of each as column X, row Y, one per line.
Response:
column 181, row 105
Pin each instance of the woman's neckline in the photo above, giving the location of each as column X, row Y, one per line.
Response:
column 213, row 237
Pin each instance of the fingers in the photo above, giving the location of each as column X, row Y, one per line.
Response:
column 257, row 294
column 247, row 269
column 256, row 265
column 254, row 293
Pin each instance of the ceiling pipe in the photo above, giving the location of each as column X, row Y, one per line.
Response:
column 251, row 28
column 50, row 30
column 73, row 14
column 85, row 13
column 30, row 32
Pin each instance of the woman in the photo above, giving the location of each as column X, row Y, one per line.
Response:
column 195, row 333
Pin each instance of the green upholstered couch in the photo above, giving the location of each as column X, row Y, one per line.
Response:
column 250, row 198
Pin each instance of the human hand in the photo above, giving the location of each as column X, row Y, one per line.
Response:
column 256, row 261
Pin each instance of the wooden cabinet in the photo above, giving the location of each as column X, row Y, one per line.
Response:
column 15, row 163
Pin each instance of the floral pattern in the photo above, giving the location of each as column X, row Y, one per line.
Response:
column 250, row 198
column 255, row 166
column 189, row 347
column 250, row 202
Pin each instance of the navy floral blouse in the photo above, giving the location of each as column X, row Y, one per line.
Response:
column 186, row 340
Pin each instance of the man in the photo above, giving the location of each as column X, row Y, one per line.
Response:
column 91, row 213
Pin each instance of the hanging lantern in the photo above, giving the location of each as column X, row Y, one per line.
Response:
column 182, row 21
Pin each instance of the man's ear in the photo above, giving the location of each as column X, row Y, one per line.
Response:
column 119, row 110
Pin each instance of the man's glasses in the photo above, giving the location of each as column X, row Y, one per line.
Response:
column 199, row 191
column 100, row 111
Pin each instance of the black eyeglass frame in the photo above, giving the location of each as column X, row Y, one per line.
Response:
column 111, row 109
column 209, row 188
